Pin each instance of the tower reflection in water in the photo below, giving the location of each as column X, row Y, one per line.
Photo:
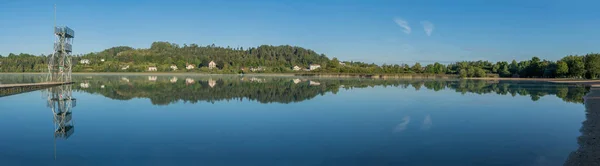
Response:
column 61, row 102
column 588, row 152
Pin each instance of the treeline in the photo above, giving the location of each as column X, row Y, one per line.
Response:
column 282, row 59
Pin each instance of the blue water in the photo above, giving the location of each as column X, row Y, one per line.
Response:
column 377, row 124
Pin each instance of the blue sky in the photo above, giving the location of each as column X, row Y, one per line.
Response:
column 370, row 31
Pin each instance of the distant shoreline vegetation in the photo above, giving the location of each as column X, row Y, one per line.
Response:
column 170, row 57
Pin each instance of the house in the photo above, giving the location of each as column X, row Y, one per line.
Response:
column 125, row 67
column 84, row 61
column 342, row 63
column 101, row 60
column 296, row 68
column 255, row 69
column 314, row 67
column 152, row 68
column 102, row 86
column 173, row 67
column 212, row 65
column 152, row 78
column 173, row 80
column 189, row 67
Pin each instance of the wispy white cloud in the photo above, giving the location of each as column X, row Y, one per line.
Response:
column 404, row 24
column 428, row 27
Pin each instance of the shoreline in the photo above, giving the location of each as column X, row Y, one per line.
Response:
column 591, row 83
column 349, row 75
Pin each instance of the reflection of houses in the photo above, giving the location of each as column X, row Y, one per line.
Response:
column 314, row 83
column 588, row 152
column 189, row 67
column 314, row 67
column 125, row 79
column 212, row 65
column 296, row 81
column 102, row 86
column 84, row 85
column 212, row 82
column 254, row 79
column 152, row 68
column 152, row 78
column 173, row 67
column 189, row 81
column 296, row 68
column 173, row 80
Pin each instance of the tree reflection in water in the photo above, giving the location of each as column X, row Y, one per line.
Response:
column 163, row 90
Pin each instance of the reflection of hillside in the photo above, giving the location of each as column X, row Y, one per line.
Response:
column 588, row 152
column 287, row 90
column 164, row 92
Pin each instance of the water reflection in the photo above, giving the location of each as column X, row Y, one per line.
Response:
column 588, row 152
column 163, row 90
column 61, row 102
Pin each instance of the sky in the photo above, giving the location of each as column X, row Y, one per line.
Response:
column 377, row 31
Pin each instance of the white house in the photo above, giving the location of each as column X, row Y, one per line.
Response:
column 173, row 67
column 84, row 61
column 342, row 63
column 255, row 69
column 212, row 65
column 189, row 67
column 125, row 67
column 101, row 60
column 296, row 68
column 152, row 68
column 314, row 67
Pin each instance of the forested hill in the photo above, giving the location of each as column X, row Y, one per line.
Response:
column 282, row 59
column 164, row 54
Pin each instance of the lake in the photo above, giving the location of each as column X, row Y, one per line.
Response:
column 262, row 120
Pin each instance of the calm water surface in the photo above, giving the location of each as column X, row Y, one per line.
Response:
column 246, row 120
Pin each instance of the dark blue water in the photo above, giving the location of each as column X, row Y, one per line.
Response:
column 232, row 120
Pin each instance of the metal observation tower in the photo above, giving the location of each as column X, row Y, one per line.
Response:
column 59, row 63
column 60, row 99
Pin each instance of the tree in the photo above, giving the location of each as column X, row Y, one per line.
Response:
column 514, row 67
column 416, row 68
column 592, row 65
column 463, row 73
column 562, row 69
